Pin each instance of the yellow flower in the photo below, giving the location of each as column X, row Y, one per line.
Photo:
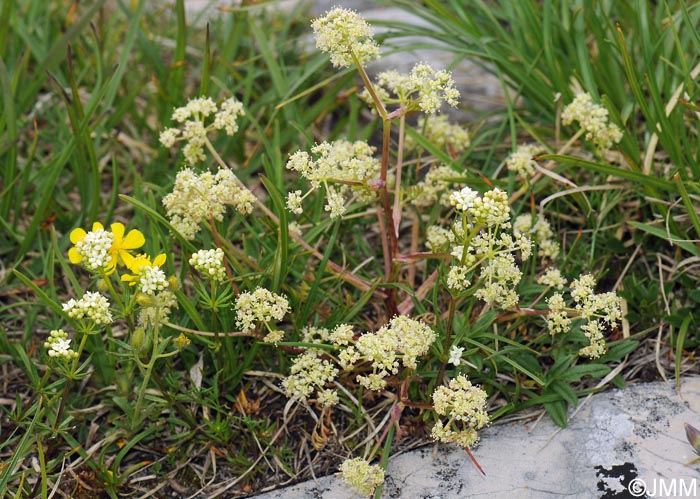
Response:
column 139, row 263
column 121, row 246
column 103, row 250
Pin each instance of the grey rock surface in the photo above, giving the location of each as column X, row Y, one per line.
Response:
column 619, row 444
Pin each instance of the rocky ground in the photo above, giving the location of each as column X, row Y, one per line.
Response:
column 619, row 444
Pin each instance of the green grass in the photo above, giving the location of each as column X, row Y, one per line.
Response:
column 86, row 91
column 638, row 58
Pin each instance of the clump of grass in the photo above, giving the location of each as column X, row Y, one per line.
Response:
column 287, row 263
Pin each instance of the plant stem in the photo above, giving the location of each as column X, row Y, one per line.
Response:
column 389, row 231
column 205, row 333
column 448, row 337
column 397, row 185
column 155, row 354
column 219, row 244
column 370, row 88
column 69, row 381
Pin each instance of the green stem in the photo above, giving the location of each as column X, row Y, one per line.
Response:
column 215, row 327
column 69, row 380
column 120, row 304
column 112, row 291
column 370, row 88
column 448, row 337
column 42, row 468
column 147, row 370
column 397, row 185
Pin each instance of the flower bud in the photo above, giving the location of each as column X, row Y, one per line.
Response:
column 173, row 283
column 102, row 285
column 138, row 339
column 181, row 342
column 145, row 300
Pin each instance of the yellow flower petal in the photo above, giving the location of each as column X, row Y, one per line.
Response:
column 111, row 267
column 128, row 259
column 133, row 240
column 77, row 235
column 73, row 255
column 118, row 231
column 139, row 262
column 97, row 226
column 159, row 260
column 131, row 279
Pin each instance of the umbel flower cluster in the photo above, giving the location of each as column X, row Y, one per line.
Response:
column 464, row 407
column 346, row 36
column 401, row 342
column 261, row 306
column 58, row 346
column 434, row 187
column 541, row 233
column 593, row 119
column 423, row 89
column 594, row 313
column 481, row 240
column 210, row 264
column 343, row 168
column 91, row 307
column 198, row 198
column 363, row 477
column 193, row 127
column 522, row 160
column 310, row 373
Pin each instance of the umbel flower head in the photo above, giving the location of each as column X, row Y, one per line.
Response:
column 481, row 240
column 541, row 231
column 402, row 341
column 424, row 89
column 434, row 187
column 344, row 168
column 262, row 305
column 362, row 476
column 210, row 263
column 310, row 373
column 522, row 162
column 58, row 346
column 197, row 198
column 594, row 312
column 343, row 34
column 193, row 130
column 100, row 250
column 464, row 406
column 441, row 133
column 92, row 306
column 593, row 119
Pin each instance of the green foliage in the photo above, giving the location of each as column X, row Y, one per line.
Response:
column 86, row 92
